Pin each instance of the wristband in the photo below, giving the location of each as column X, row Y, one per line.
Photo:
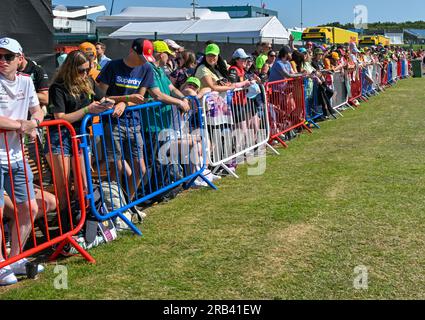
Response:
column 127, row 98
column 85, row 110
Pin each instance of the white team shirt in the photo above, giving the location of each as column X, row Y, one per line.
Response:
column 16, row 98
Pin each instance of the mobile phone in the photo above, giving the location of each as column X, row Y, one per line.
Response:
column 106, row 103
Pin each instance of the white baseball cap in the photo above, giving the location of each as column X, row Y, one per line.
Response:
column 240, row 54
column 11, row 45
column 172, row 44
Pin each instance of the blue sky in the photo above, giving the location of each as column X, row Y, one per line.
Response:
column 315, row 12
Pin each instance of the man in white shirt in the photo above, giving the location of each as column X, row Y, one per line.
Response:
column 102, row 59
column 17, row 97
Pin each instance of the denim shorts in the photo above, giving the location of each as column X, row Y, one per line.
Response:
column 55, row 143
column 130, row 139
column 19, row 182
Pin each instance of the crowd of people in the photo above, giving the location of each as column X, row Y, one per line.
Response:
column 88, row 82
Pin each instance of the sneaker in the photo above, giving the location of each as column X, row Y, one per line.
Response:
column 7, row 277
column 19, row 268
column 210, row 176
column 137, row 215
column 200, row 183
column 87, row 246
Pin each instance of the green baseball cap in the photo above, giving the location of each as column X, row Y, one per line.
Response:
column 194, row 80
column 212, row 49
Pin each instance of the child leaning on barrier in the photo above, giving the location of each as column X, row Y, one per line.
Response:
column 17, row 97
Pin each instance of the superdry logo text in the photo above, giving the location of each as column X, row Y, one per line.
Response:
column 132, row 83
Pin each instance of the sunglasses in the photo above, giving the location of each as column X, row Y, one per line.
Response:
column 8, row 57
column 83, row 70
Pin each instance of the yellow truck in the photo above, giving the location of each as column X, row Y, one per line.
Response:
column 367, row 41
column 329, row 35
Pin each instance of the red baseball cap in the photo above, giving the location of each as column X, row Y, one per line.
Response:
column 143, row 47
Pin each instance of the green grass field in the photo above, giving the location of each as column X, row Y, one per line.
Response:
column 350, row 194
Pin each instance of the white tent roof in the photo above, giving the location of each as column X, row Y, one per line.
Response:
column 264, row 28
column 157, row 14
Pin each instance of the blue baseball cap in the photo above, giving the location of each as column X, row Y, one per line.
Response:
column 302, row 50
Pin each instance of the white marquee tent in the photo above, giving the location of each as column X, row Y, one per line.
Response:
column 247, row 30
column 108, row 24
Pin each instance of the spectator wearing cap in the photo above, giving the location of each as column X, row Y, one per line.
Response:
column 186, row 69
column 89, row 49
column 213, row 70
column 101, row 57
column 121, row 80
column 325, row 92
column 282, row 68
column 266, row 47
column 17, row 97
column 174, row 61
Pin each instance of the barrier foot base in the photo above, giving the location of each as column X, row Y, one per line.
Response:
column 314, row 124
column 130, row 224
column 307, row 128
column 337, row 111
column 227, row 169
column 350, row 106
column 273, row 149
column 75, row 244
column 283, row 143
column 191, row 182
column 212, row 185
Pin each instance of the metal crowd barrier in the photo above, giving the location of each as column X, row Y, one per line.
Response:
column 56, row 214
column 341, row 94
column 356, row 85
column 236, row 125
column 151, row 150
column 313, row 109
column 286, row 107
column 394, row 65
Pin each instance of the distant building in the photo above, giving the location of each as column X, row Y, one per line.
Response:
column 72, row 23
column 397, row 37
column 245, row 11
column 414, row 36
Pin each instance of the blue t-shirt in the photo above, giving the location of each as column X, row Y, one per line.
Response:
column 124, row 80
column 280, row 71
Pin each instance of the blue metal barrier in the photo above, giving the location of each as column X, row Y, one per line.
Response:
column 390, row 73
column 152, row 149
column 312, row 108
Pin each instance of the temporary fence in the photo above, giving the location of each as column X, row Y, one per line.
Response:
column 313, row 109
column 340, row 89
column 149, row 151
column 395, row 70
column 57, row 211
column 287, row 111
column 356, row 85
column 236, row 126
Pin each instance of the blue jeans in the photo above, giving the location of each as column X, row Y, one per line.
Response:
column 19, row 182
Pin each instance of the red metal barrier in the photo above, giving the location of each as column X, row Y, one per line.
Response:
column 58, row 226
column 286, row 107
column 356, row 86
column 384, row 76
column 399, row 69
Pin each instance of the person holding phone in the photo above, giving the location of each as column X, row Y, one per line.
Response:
column 72, row 96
